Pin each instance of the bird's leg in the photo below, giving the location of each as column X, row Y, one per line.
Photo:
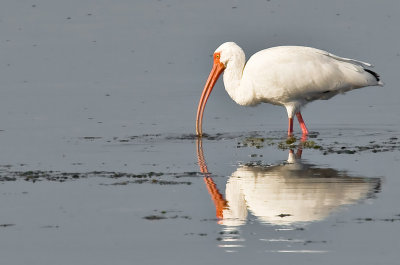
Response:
column 302, row 124
column 290, row 128
column 304, row 138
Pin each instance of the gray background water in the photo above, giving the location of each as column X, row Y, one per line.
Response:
column 116, row 69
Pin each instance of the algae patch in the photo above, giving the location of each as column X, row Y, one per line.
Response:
column 162, row 215
column 123, row 178
column 289, row 143
column 349, row 145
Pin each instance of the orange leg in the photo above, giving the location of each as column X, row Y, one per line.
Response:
column 302, row 124
column 290, row 128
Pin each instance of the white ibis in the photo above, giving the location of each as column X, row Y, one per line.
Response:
column 290, row 76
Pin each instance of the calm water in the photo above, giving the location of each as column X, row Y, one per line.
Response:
column 98, row 164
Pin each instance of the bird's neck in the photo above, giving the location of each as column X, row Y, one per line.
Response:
column 232, row 79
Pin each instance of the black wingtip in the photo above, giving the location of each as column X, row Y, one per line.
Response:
column 373, row 73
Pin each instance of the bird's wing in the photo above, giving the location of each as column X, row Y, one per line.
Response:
column 361, row 63
column 291, row 73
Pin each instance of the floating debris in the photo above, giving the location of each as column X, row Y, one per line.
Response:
column 128, row 178
column 283, row 215
column 154, row 217
column 6, row 225
column 351, row 144
column 161, row 215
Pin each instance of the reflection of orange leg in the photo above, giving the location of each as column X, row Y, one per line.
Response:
column 299, row 153
column 293, row 158
column 302, row 124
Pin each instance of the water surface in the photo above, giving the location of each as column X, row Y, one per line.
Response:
column 99, row 164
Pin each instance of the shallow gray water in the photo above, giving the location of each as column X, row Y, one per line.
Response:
column 99, row 164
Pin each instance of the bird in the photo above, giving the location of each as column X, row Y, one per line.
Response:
column 289, row 76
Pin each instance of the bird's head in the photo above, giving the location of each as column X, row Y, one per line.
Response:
column 222, row 55
column 227, row 51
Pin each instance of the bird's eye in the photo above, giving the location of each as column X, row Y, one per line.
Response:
column 217, row 56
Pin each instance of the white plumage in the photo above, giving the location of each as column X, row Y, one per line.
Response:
column 290, row 76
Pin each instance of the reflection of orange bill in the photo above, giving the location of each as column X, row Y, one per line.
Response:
column 219, row 201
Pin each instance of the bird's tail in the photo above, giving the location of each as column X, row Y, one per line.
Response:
column 376, row 76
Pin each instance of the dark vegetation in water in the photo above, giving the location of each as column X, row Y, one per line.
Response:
column 282, row 215
column 283, row 144
column 146, row 138
column 161, row 215
column 154, row 217
column 50, row 226
column 314, row 242
column 6, row 225
column 209, row 137
column 232, row 235
column 375, row 146
column 345, row 147
column 193, row 234
column 396, row 218
column 347, row 142
column 344, row 142
column 122, row 178
column 151, row 181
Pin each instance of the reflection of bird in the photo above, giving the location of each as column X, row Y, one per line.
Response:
column 290, row 76
column 286, row 194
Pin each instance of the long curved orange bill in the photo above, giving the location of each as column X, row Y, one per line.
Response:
column 216, row 71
